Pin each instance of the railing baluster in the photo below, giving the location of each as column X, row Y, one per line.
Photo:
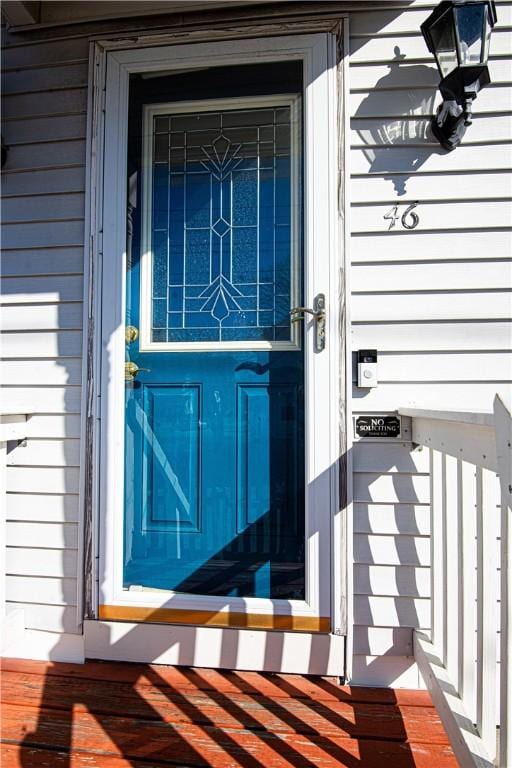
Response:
column 469, row 587
column 437, row 570
column 487, row 529
column 453, row 577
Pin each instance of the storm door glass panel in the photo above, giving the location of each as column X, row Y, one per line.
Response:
column 222, row 231
column 214, row 467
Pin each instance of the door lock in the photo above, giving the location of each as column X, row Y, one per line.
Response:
column 131, row 370
column 131, row 333
column 318, row 313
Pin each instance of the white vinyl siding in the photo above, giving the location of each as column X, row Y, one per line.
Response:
column 435, row 301
column 44, row 126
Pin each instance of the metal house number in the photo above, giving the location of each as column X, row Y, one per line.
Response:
column 409, row 218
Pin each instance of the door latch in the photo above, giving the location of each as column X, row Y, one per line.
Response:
column 318, row 314
column 131, row 370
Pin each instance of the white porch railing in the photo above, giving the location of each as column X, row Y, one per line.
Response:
column 471, row 544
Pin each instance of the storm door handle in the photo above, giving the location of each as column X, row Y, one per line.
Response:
column 318, row 314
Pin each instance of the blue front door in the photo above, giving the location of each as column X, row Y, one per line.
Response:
column 214, row 473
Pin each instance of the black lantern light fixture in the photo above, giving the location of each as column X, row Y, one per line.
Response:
column 458, row 32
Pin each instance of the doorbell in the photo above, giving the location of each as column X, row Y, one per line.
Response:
column 367, row 368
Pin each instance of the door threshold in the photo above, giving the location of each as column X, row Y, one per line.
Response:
column 215, row 647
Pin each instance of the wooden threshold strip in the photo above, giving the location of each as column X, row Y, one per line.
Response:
column 215, row 618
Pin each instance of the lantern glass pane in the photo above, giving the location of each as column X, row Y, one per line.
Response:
column 470, row 21
column 443, row 39
column 487, row 37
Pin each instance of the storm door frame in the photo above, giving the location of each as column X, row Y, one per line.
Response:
column 323, row 243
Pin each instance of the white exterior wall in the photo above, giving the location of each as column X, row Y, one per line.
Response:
column 432, row 301
column 44, row 125
column 435, row 301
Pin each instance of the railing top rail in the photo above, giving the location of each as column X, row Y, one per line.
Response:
column 466, row 435
column 477, row 418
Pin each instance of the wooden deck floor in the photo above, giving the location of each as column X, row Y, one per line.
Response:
column 113, row 715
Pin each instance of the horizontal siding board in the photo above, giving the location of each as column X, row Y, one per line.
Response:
column 42, row 261
column 45, row 53
column 402, row 74
column 45, row 155
column 23, row 290
column 42, row 535
column 390, row 457
column 32, row 182
column 394, row 75
column 55, row 452
column 435, row 216
column 52, row 426
column 41, row 372
column 44, row 78
column 43, row 508
column 418, row 187
column 62, row 206
column 43, row 234
column 398, row 550
column 382, row 641
column 43, row 317
column 49, row 618
column 27, row 345
column 32, row 131
column 449, row 396
column 391, row 580
column 388, row 519
column 392, row 611
column 42, row 479
column 381, row 49
column 432, row 305
column 395, row 487
column 403, row 21
column 371, row 132
column 41, row 589
column 45, row 103
column 482, row 275
column 432, row 336
column 42, row 399
column 407, row 159
column 24, row 561
column 447, row 366
column 415, row 245
column 392, row 22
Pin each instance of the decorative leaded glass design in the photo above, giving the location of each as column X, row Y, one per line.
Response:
column 222, row 220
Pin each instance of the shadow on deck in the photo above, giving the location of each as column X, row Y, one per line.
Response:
column 116, row 715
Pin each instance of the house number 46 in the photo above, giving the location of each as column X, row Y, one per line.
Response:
column 409, row 218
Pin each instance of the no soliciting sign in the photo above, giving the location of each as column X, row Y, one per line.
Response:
column 378, row 426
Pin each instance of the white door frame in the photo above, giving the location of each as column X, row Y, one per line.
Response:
column 320, row 612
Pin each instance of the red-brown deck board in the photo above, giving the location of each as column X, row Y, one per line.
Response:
column 115, row 715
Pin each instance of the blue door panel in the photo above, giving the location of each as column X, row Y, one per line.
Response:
column 171, row 457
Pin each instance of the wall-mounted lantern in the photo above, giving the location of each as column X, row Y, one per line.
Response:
column 458, row 32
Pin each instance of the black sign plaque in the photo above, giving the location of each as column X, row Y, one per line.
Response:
column 378, row 426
